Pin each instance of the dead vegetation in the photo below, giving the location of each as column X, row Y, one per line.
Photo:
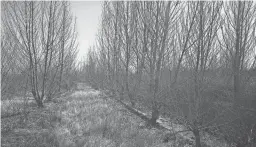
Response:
column 84, row 118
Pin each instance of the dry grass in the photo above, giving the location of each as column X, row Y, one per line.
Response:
column 83, row 119
column 90, row 120
column 29, row 130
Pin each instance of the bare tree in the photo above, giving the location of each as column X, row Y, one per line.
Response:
column 167, row 55
column 33, row 25
column 238, row 47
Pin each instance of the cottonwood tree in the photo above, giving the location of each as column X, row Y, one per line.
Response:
column 34, row 26
column 199, row 56
column 238, row 34
column 129, row 30
column 158, row 47
column 195, row 38
column 237, row 41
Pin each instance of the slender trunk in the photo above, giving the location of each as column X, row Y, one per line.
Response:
column 39, row 101
column 155, row 83
column 197, row 136
column 236, row 67
column 141, row 65
column 154, row 115
column 127, row 52
column 152, row 84
column 33, row 55
column 199, row 58
column 47, row 52
column 62, row 44
column 115, row 50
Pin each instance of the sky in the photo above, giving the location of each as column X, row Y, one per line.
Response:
column 88, row 14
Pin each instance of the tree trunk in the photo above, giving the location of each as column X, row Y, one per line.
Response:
column 39, row 101
column 154, row 115
column 131, row 97
column 62, row 44
column 197, row 136
column 237, row 58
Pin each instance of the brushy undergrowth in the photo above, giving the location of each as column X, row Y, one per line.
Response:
column 36, row 128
